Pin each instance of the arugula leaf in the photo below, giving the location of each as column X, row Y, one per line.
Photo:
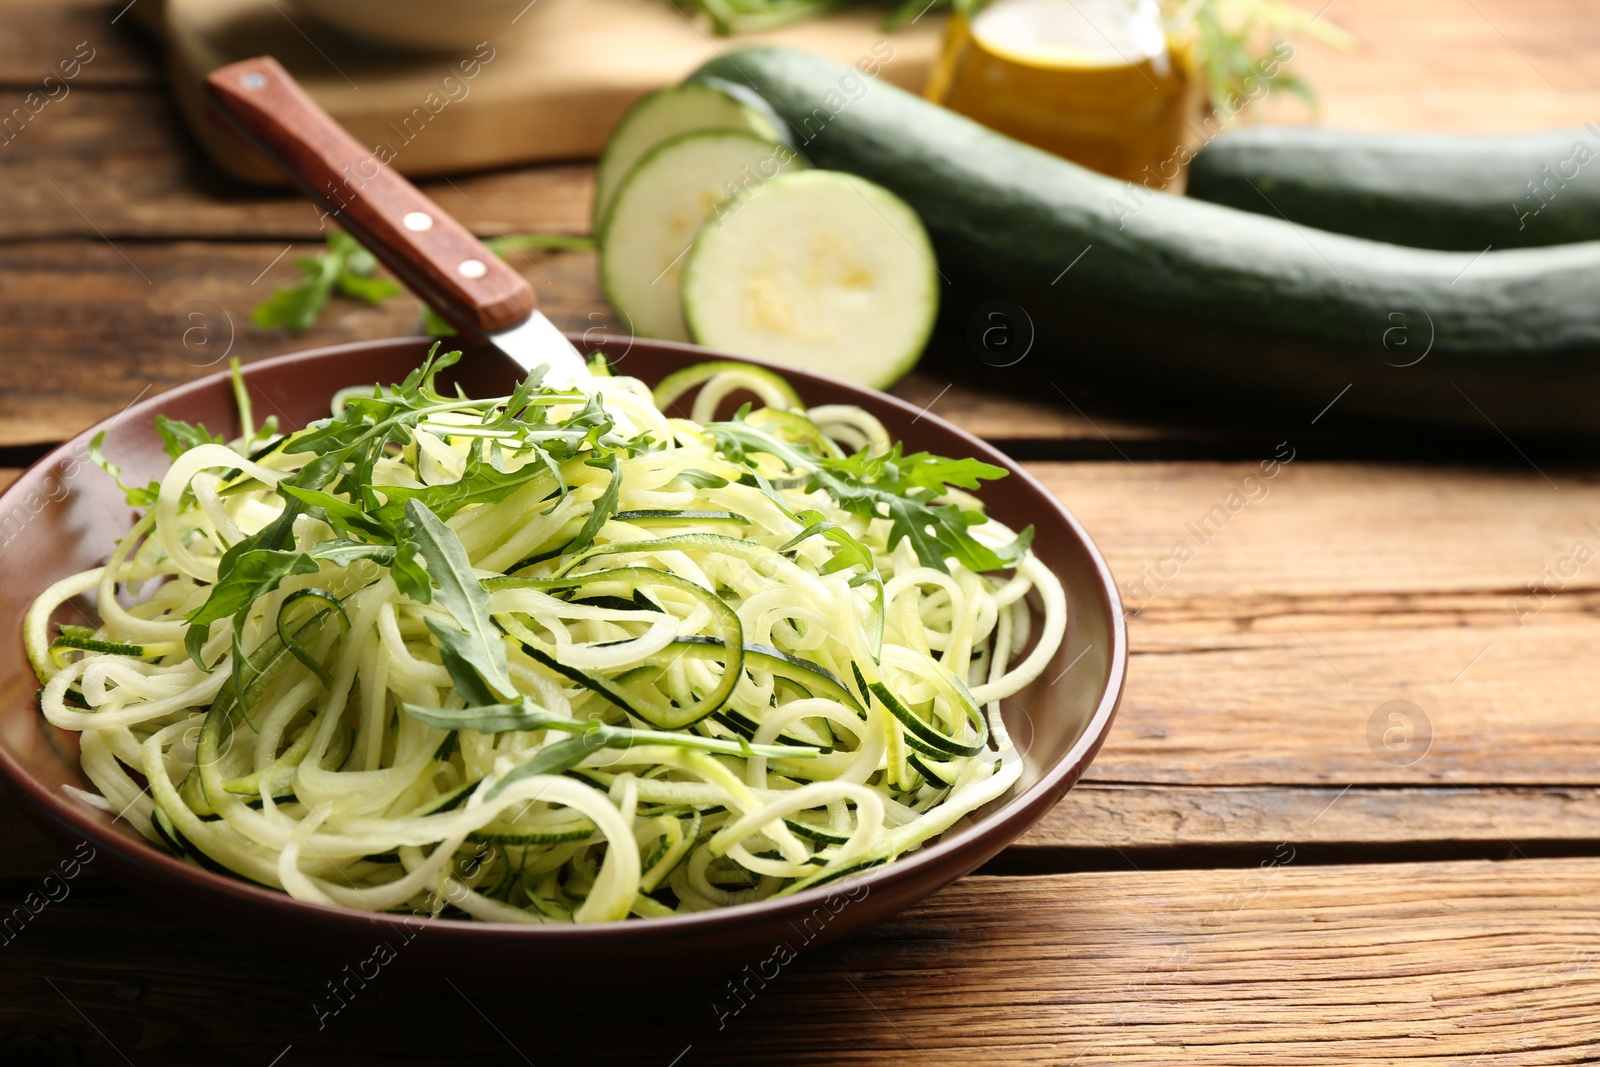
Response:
column 342, row 553
column 736, row 439
column 367, row 290
column 594, row 422
column 851, row 552
column 474, row 654
column 252, row 575
column 493, row 718
column 269, row 540
column 605, row 505
column 902, row 489
column 343, row 516
column 345, row 266
column 408, row 574
column 1231, row 40
column 890, row 485
column 178, row 437
column 702, row 479
column 241, row 580
column 480, row 483
column 457, row 649
column 553, row 759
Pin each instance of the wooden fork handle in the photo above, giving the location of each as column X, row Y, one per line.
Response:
column 435, row 256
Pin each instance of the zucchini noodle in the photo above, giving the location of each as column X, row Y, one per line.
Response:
column 552, row 657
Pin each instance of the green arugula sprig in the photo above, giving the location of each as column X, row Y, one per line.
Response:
column 403, row 528
column 177, row 437
column 904, row 489
column 471, row 650
column 345, row 267
column 1233, row 42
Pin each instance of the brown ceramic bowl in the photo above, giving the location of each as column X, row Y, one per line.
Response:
column 63, row 514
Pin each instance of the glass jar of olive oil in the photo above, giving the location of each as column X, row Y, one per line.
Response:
column 1099, row 82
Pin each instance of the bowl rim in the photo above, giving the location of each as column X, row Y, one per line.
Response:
column 1014, row 815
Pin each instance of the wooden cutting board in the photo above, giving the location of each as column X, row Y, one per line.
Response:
column 552, row 86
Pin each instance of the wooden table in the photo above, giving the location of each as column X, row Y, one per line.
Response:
column 1270, row 862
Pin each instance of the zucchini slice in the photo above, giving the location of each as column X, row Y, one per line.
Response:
column 819, row 270
column 704, row 104
column 659, row 208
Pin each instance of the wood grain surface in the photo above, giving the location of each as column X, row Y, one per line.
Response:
column 35, row 34
column 171, row 311
column 1277, row 963
column 118, row 165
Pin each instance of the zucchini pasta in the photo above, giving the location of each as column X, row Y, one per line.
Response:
column 557, row 656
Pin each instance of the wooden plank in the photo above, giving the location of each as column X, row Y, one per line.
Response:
column 120, row 164
column 38, row 34
column 1278, row 964
column 70, row 367
column 1331, row 537
column 1270, row 656
column 1211, row 825
column 1283, row 703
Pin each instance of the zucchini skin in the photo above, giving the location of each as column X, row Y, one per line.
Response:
column 1426, row 190
column 1191, row 299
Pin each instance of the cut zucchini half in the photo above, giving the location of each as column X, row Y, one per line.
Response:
column 818, row 270
column 658, row 211
column 703, row 104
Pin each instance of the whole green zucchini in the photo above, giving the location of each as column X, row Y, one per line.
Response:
column 1427, row 190
column 1169, row 294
